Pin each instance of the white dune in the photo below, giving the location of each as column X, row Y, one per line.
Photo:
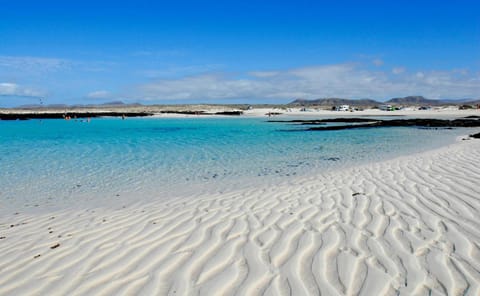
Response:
column 407, row 226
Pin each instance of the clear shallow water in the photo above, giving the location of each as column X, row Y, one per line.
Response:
column 59, row 160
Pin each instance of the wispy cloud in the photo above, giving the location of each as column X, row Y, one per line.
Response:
column 180, row 71
column 99, row 94
column 94, row 66
column 13, row 89
column 40, row 65
column 378, row 62
column 33, row 64
column 340, row 80
column 263, row 74
column 398, row 70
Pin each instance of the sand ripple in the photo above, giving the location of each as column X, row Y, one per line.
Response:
column 407, row 226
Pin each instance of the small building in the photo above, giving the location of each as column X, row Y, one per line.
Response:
column 386, row 107
column 342, row 108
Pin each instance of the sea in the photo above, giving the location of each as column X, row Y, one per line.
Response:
column 53, row 163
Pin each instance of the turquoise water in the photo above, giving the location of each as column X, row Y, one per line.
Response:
column 57, row 160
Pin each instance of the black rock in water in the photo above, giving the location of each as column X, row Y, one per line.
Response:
column 476, row 136
column 73, row 115
column 417, row 122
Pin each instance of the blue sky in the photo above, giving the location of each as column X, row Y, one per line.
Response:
column 231, row 52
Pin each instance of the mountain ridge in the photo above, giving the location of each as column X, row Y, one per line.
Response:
column 408, row 100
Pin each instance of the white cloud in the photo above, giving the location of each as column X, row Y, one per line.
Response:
column 263, row 74
column 99, row 94
column 180, row 70
column 378, row 62
column 13, row 89
column 398, row 70
column 40, row 66
column 341, row 80
column 206, row 86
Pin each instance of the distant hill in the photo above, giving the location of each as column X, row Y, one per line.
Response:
column 61, row 106
column 457, row 101
column 405, row 101
column 35, row 106
column 30, row 106
column 420, row 100
column 113, row 103
column 475, row 102
column 413, row 100
column 335, row 102
column 64, row 106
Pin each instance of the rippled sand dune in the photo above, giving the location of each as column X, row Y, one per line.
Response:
column 408, row 226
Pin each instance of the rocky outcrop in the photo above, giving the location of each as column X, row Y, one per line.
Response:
column 371, row 123
column 61, row 115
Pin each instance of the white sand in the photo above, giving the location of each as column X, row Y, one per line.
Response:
column 436, row 112
column 409, row 225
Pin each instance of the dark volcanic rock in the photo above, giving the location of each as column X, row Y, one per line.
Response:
column 323, row 121
column 370, row 123
column 476, row 136
column 418, row 122
column 60, row 115
column 184, row 112
column 230, row 113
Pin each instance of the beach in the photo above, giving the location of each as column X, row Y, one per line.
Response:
column 407, row 226
column 250, row 148
column 245, row 110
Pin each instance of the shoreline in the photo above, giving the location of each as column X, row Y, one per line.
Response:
column 201, row 111
column 199, row 188
column 404, row 225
